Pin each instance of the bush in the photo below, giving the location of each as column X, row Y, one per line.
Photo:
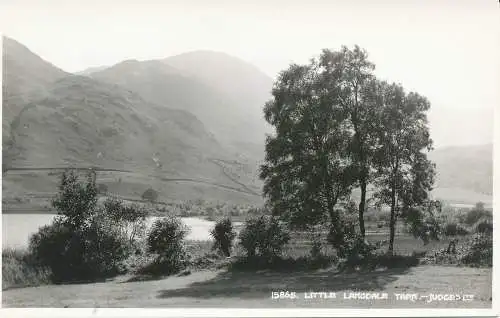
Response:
column 480, row 252
column 83, row 242
column 483, row 226
column 130, row 218
column 150, row 195
column 88, row 253
column 263, row 236
column 422, row 222
column 476, row 251
column 166, row 239
column 454, row 229
column 76, row 200
column 349, row 244
column 316, row 248
column 19, row 270
column 476, row 214
column 224, row 235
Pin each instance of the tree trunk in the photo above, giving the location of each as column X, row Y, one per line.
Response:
column 393, row 220
column 361, row 210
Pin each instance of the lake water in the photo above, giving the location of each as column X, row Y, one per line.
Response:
column 16, row 228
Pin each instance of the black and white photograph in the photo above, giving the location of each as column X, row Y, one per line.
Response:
column 317, row 154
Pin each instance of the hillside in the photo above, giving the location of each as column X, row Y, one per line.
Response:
column 189, row 125
column 243, row 83
column 79, row 121
column 25, row 77
column 465, row 167
column 91, row 70
column 225, row 93
column 227, row 74
column 169, row 87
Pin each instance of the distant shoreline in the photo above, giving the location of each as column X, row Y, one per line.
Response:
column 51, row 211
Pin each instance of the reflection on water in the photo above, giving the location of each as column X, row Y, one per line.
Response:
column 16, row 228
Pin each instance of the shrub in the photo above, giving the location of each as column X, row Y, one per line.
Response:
column 166, row 239
column 347, row 242
column 453, row 229
column 263, row 236
column 72, row 254
column 130, row 218
column 480, row 251
column 422, row 222
column 476, row 214
column 76, row 200
column 224, row 235
column 483, row 226
column 19, row 270
column 150, row 195
column 316, row 248
column 476, row 251
column 83, row 242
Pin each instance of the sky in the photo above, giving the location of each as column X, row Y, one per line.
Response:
column 446, row 50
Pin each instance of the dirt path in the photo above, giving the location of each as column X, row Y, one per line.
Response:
column 226, row 289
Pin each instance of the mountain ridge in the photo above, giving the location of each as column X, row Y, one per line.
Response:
column 166, row 118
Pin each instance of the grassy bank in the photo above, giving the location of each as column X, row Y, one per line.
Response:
column 18, row 270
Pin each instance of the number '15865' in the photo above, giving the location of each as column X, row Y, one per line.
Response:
column 283, row 295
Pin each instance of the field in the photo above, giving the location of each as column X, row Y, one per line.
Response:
column 242, row 289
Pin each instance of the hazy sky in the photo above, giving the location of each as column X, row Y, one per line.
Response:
column 446, row 50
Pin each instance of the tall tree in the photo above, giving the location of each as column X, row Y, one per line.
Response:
column 352, row 71
column 307, row 168
column 404, row 174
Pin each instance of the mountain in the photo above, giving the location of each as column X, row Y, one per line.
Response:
column 164, row 85
column 25, row 77
column 91, row 70
column 189, row 126
column 243, row 83
column 225, row 93
column 464, row 168
column 237, row 79
column 83, row 117
column 80, row 121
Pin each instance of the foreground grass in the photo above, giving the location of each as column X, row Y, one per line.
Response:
column 227, row 289
column 19, row 271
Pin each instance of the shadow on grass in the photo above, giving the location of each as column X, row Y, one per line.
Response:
column 244, row 284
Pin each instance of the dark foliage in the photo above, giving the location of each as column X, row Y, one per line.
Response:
column 264, row 236
column 454, row 229
column 476, row 214
column 83, row 243
column 87, row 253
column 484, row 226
column 422, row 221
column 224, row 235
column 150, row 195
column 166, row 240
column 480, row 252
